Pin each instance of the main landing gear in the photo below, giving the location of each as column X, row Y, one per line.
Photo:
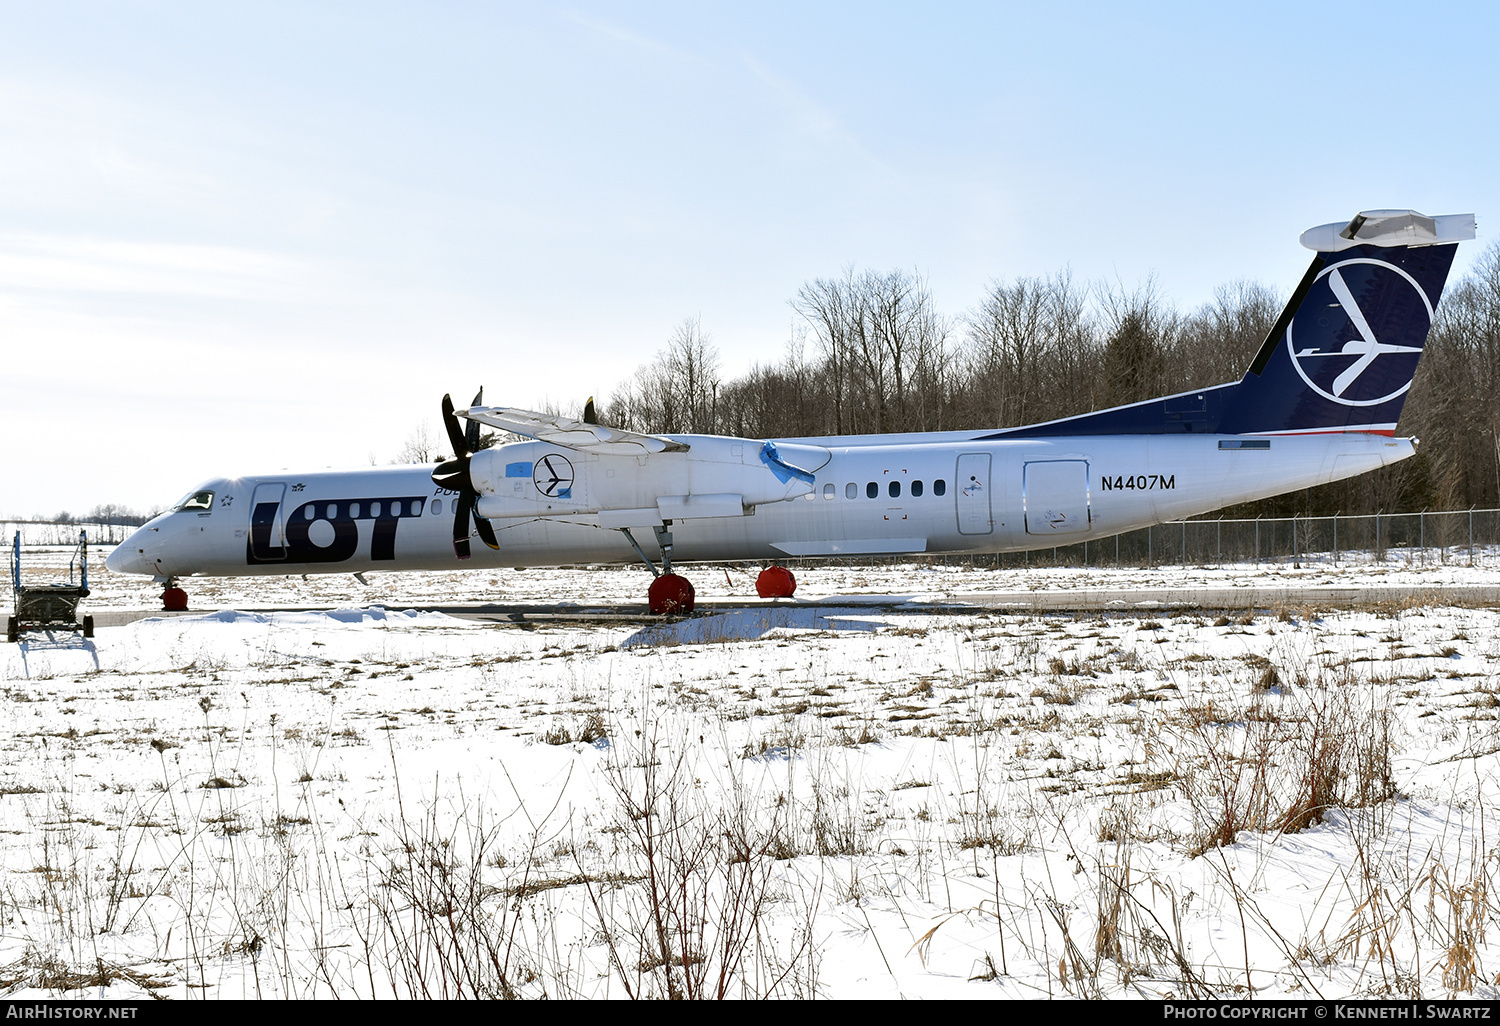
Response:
column 672, row 593
column 669, row 592
column 173, row 598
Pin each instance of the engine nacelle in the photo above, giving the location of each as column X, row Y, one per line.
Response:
column 713, row 477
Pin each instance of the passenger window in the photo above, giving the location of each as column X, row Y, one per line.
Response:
column 939, row 486
column 308, row 512
column 851, row 490
column 916, row 489
column 374, row 509
column 396, row 508
column 895, row 489
column 354, row 511
column 872, row 490
column 437, row 507
column 333, row 511
column 828, row 491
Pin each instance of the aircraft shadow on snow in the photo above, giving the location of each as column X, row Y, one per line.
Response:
column 751, row 624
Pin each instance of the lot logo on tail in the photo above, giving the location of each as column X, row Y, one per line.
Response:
column 1345, row 341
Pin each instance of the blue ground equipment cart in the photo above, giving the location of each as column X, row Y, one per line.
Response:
column 50, row 606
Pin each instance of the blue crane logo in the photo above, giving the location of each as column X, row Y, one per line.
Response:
column 1342, row 359
column 553, row 476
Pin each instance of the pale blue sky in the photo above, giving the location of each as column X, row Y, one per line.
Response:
column 254, row 236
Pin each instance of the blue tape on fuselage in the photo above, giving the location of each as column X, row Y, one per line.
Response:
column 783, row 470
column 518, row 469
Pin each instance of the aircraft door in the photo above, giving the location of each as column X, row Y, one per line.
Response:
column 267, row 526
column 973, row 486
column 1055, row 496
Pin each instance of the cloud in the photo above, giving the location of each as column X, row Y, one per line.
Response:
column 812, row 120
column 636, row 40
column 45, row 262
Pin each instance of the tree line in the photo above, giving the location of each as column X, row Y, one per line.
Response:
column 108, row 513
column 872, row 353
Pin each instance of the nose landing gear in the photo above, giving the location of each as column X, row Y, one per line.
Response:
column 173, row 598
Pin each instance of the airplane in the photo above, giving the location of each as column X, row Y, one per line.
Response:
column 1319, row 403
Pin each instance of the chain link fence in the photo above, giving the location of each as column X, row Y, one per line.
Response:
column 1464, row 537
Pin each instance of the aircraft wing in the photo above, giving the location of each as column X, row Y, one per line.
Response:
column 570, row 433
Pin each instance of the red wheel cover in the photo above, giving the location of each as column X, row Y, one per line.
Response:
column 671, row 594
column 775, row 582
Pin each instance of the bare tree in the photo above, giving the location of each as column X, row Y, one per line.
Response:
column 1006, row 338
column 879, row 336
column 1030, row 353
column 678, row 391
column 1455, row 401
column 420, row 447
column 1218, row 342
column 931, row 377
column 692, row 366
column 1141, row 333
column 828, row 305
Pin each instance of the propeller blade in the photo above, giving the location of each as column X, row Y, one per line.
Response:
column 471, row 436
column 486, row 532
column 455, row 433
column 461, row 524
column 590, row 416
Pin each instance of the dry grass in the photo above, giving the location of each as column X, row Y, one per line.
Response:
column 697, row 875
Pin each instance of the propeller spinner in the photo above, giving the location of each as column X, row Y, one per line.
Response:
column 454, row 475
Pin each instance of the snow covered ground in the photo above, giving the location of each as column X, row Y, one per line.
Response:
column 786, row 802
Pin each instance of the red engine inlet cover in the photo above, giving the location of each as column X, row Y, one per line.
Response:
column 174, row 600
column 775, row 582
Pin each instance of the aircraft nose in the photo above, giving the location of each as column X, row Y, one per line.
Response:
column 129, row 557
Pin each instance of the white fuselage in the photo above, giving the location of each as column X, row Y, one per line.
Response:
column 897, row 494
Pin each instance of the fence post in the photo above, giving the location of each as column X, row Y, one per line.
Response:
column 1219, row 537
column 1257, row 539
column 1471, row 535
column 1377, row 555
column 1296, row 563
column 1422, row 532
column 1335, row 538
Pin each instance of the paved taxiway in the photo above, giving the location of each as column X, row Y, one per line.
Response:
column 1094, row 600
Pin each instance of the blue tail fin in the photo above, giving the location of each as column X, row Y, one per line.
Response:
column 1343, row 353
column 1341, row 356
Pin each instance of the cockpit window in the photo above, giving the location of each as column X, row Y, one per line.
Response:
column 197, row 500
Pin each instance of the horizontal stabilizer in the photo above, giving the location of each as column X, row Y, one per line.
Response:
column 1389, row 228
